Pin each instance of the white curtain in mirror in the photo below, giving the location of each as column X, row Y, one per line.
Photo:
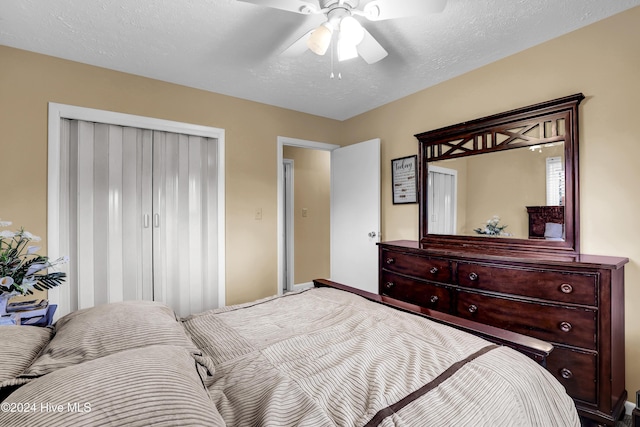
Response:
column 138, row 216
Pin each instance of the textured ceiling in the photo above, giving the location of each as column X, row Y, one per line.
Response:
column 232, row 48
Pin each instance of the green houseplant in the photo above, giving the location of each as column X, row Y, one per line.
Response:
column 21, row 269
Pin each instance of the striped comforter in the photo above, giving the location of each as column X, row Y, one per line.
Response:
column 325, row 357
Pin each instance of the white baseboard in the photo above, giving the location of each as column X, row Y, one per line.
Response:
column 302, row 286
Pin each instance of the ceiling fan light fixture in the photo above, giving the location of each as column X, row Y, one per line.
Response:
column 320, row 39
column 346, row 51
column 351, row 31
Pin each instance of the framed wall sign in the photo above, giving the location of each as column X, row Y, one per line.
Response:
column 404, row 180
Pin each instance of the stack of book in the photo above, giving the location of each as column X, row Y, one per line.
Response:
column 29, row 312
column 9, row 319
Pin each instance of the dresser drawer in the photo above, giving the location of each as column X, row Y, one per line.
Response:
column 427, row 268
column 544, row 284
column 557, row 324
column 576, row 371
column 415, row 292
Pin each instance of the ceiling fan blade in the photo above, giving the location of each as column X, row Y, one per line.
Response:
column 298, row 6
column 298, row 47
column 378, row 10
column 370, row 50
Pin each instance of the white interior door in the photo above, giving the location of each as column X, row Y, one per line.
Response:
column 355, row 214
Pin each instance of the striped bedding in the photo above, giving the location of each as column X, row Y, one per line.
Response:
column 325, row 357
column 321, row 357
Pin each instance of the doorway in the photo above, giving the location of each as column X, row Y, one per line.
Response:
column 354, row 212
column 287, row 213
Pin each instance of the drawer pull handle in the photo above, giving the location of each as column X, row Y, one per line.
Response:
column 433, row 299
column 566, row 288
column 433, row 270
column 390, row 260
column 473, row 276
column 566, row 374
column 390, row 285
column 473, row 308
column 565, row 326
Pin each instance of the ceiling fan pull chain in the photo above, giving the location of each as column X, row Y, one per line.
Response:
column 331, row 76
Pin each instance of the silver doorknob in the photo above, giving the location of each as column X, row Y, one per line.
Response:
column 372, row 234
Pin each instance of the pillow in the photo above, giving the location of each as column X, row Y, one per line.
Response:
column 156, row 385
column 19, row 346
column 106, row 329
column 553, row 230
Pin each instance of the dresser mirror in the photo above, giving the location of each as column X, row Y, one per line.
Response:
column 507, row 181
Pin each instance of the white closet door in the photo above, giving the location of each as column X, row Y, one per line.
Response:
column 142, row 220
column 184, row 222
column 108, row 244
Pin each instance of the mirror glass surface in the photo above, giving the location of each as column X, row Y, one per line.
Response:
column 487, row 195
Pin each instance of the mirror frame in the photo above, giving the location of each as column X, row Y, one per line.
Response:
column 481, row 136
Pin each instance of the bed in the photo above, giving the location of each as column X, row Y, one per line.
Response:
column 327, row 356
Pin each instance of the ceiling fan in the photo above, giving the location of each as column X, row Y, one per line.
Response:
column 352, row 38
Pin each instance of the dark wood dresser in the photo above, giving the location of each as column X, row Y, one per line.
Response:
column 575, row 302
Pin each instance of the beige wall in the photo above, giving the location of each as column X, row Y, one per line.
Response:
column 312, row 185
column 29, row 81
column 603, row 62
column 600, row 61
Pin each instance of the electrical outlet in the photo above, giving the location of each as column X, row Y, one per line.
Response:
column 258, row 214
column 305, row 212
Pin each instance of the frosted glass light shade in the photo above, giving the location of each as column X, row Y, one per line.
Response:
column 351, row 31
column 346, row 50
column 320, row 39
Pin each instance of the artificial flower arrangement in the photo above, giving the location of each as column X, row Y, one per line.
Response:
column 492, row 228
column 21, row 269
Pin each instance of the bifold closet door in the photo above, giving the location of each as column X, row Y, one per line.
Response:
column 109, row 191
column 185, row 222
column 139, row 216
column 441, row 200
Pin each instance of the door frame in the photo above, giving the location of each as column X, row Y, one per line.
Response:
column 288, row 230
column 63, row 111
column 294, row 142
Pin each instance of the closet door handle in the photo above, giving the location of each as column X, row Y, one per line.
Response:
column 146, row 220
column 156, row 220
